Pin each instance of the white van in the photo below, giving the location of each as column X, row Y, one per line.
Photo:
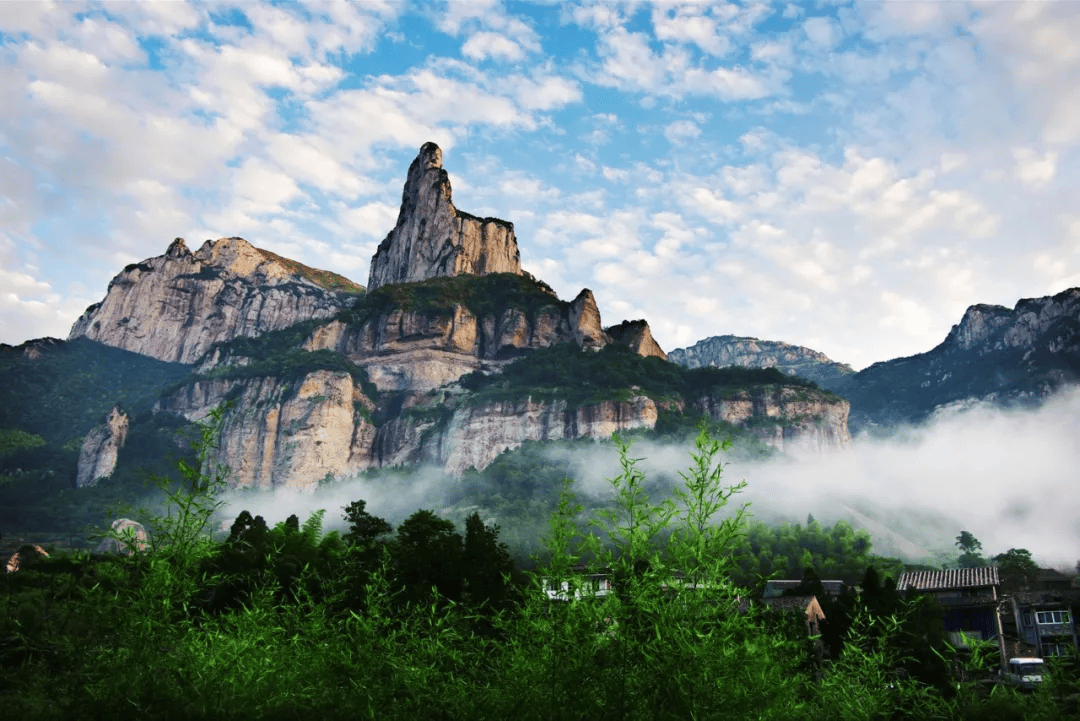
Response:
column 1024, row 673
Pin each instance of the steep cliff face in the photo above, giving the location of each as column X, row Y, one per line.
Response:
column 175, row 306
column 281, row 433
column 100, row 449
column 294, row 434
column 993, row 354
column 475, row 436
column 730, row 350
column 423, row 350
column 791, row 419
column 432, row 238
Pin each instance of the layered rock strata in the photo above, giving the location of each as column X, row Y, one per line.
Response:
column 294, row 434
column 101, row 448
column 420, row 351
column 432, row 238
column 789, row 418
column 176, row 306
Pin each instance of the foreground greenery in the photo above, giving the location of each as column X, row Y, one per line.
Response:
column 424, row 622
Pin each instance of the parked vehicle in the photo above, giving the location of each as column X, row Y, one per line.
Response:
column 1024, row 673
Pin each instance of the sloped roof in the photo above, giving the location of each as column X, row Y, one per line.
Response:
column 775, row 588
column 949, row 579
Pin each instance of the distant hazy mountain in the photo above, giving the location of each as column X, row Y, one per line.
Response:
column 1011, row 356
column 730, row 350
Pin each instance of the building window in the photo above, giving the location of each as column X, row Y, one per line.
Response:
column 1057, row 649
column 1025, row 618
column 1052, row 617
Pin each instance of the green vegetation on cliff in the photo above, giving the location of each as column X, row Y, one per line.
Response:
column 71, row 386
column 483, row 295
column 278, row 354
column 581, row 377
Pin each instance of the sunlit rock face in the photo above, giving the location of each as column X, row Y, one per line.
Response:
column 790, row 418
column 175, row 306
column 283, row 432
column 432, row 238
column 730, row 350
column 100, row 449
column 421, row 351
column 293, row 433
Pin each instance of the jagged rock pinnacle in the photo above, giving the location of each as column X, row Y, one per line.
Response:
column 432, row 238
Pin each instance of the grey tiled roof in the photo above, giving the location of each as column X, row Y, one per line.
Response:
column 948, row 579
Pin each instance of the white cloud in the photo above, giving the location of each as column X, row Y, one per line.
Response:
column 1033, row 169
column 681, row 131
column 373, row 219
column 690, row 24
column 616, row 174
column 483, row 45
column 821, row 31
column 907, row 315
column 548, row 92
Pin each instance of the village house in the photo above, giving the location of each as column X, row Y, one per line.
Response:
column 969, row 598
column 1041, row 621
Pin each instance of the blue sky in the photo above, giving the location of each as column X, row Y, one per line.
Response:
column 843, row 175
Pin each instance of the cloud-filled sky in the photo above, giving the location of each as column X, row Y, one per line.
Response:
column 848, row 176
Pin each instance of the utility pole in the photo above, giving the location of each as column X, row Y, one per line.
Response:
column 1000, row 632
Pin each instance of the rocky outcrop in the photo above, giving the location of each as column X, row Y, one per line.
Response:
column 585, row 319
column 636, row 334
column 432, row 238
column 125, row 529
column 175, row 306
column 26, row 555
column 100, row 449
column 994, row 354
column 730, row 350
column 791, row 419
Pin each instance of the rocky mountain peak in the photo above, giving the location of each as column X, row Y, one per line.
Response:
column 177, row 249
column 434, row 239
column 176, row 306
column 733, row 350
column 978, row 324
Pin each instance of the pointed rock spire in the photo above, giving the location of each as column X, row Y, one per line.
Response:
column 432, row 238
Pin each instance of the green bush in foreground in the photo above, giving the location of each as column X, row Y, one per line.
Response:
column 90, row 637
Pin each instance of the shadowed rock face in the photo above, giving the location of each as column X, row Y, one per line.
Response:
column 994, row 354
column 432, row 238
column 636, row 334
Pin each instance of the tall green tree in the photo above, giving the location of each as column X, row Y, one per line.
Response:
column 1016, row 569
column 969, row 551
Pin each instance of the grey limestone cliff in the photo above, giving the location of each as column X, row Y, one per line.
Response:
column 100, row 449
column 175, row 306
column 293, row 433
column 732, row 350
column 791, row 419
column 432, row 238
